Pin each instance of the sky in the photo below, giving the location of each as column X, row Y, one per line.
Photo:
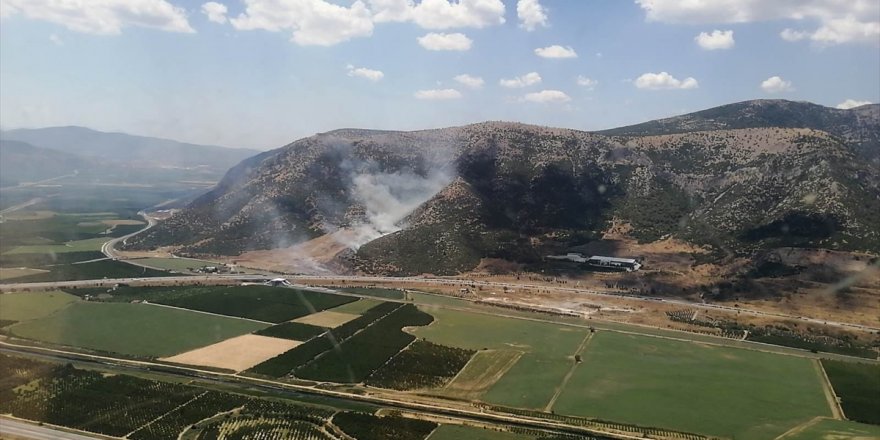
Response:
column 262, row 73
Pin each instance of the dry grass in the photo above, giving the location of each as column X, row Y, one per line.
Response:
column 327, row 318
column 238, row 354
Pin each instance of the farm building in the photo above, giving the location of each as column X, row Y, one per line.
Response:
column 627, row 264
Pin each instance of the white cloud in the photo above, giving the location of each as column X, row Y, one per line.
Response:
column 363, row 72
column 102, row 17
column 663, row 80
column 55, row 39
column 716, row 40
column 547, row 96
column 526, row 80
column 313, row 22
column 440, row 14
column 839, row 21
column 438, row 94
column 474, row 82
column 556, row 51
column 215, row 12
column 775, row 84
column 531, row 14
column 441, row 41
column 587, row 83
column 793, row 35
column 851, row 103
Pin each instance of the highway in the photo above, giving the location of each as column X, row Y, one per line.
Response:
column 428, row 282
column 19, row 429
column 109, row 248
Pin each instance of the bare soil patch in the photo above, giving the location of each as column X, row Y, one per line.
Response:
column 239, row 353
column 327, row 318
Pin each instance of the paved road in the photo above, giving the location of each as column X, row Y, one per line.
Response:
column 109, row 248
column 27, row 430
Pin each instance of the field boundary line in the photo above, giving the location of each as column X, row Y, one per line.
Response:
column 165, row 414
column 797, row 429
column 570, row 373
column 830, row 395
column 207, row 313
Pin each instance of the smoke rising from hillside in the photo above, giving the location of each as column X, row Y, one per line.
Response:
column 388, row 198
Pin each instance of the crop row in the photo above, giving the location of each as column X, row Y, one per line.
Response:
column 369, row 427
column 115, row 405
column 359, row 356
column 296, row 331
column 598, row 424
column 286, row 362
column 262, row 303
column 421, row 365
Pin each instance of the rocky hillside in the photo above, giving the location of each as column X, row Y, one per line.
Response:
column 437, row 201
column 858, row 127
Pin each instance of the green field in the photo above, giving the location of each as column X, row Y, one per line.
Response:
column 693, row 387
column 26, row 306
column 131, row 329
column 456, row 432
column 858, row 387
column 271, row 304
column 374, row 291
column 358, row 307
column 548, row 350
column 89, row 244
column 178, row 264
column 90, row 271
column 830, row 429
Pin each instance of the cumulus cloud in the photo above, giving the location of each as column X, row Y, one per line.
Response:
column 531, row 14
column 839, row 21
column 716, row 40
column 526, row 80
column 851, row 103
column 102, row 17
column 556, row 51
column 663, row 80
column 312, row 22
column 775, row 84
column 587, row 83
column 363, row 72
column 215, row 12
column 474, row 82
column 441, row 41
column 440, row 14
column 438, row 94
column 547, row 97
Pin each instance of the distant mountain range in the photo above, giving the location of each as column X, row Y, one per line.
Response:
column 57, row 151
column 742, row 177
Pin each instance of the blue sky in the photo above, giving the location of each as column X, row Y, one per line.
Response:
column 266, row 72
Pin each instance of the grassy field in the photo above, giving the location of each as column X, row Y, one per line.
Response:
column 693, row 387
column 858, row 387
column 178, row 264
column 11, row 273
column 547, row 351
column 456, row 432
column 131, row 329
column 483, row 370
column 26, row 306
column 830, row 429
column 374, row 291
column 90, row 271
column 357, row 307
column 89, row 244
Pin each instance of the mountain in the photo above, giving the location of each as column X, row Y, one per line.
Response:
column 120, row 148
column 439, row 201
column 21, row 162
column 858, row 127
